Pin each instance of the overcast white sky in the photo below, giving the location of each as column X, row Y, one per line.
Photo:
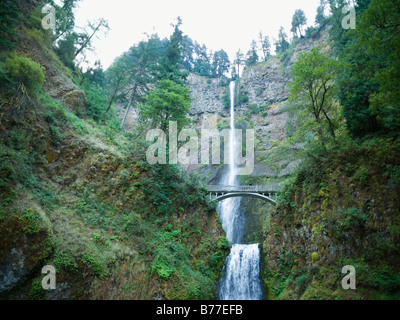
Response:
column 219, row 24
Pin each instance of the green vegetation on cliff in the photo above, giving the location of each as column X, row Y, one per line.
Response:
column 342, row 206
column 76, row 191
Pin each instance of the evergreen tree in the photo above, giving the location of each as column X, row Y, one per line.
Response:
column 379, row 30
column 239, row 60
column 66, row 49
column 65, row 18
column 282, row 44
column 187, row 54
column 265, row 45
column 131, row 75
column 170, row 64
column 298, row 21
column 320, row 18
column 9, row 18
column 252, row 56
column 202, row 64
column 220, row 63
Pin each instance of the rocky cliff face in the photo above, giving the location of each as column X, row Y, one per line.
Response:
column 264, row 109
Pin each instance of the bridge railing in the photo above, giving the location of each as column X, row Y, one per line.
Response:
column 256, row 189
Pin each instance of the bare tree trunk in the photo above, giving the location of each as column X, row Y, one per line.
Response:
column 126, row 114
column 89, row 39
column 113, row 96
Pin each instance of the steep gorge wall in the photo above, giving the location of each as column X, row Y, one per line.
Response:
column 80, row 197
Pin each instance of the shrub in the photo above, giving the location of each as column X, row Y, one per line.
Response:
column 315, row 256
column 25, row 71
column 37, row 292
column 352, row 217
column 243, row 98
column 303, row 280
column 96, row 237
column 362, row 175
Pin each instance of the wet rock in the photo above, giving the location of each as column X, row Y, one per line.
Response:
column 290, row 168
column 262, row 170
column 75, row 100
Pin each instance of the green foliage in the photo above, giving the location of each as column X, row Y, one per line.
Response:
column 36, row 291
column 265, row 45
column 380, row 26
column 393, row 173
column 302, row 281
column 313, row 88
column 298, row 21
column 312, row 32
column 252, row 56
column 221, row 63
column 352, row 217
column 169, row 67
column 370, row 66
column 320, row 19
column 94, row 265
column 362, row 175
column 65, row 260
column 65, row 17
column 32, row 222
column 96, row 237
column 9, row 18
column 168, row 102
column 282, row 44
column 161, row 265
column 66, row 50
column 25, row 71
column 243, row 98
column 255, row 109
column 97, row 105
column 315, row 257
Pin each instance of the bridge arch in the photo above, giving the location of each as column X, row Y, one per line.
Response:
column 244, row 194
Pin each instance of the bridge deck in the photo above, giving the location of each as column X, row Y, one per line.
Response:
column 250, row 189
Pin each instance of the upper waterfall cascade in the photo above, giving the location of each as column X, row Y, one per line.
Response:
column 242, row 268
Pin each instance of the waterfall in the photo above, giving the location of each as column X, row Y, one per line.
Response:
column 242, row 267
column 242, row 274
column 232, row 221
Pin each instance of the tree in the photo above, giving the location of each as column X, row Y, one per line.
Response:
column 116, row 76
column 252, row 56
column 131, row 75
column 298, row 21
column 356, row 80
column 282, row 44
column 65, row 18
column 265, row 45
column 220, row 63
column 169, row 101
column 337, row 32
column 84, row 40
column 379, row 30
column 239, row 60
column 9, row 18
column 66, row 49
column 202, row 64
column 320, row 18
column 313, row 89
column 170, row 64
column 94, row 75
column 187, row 54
